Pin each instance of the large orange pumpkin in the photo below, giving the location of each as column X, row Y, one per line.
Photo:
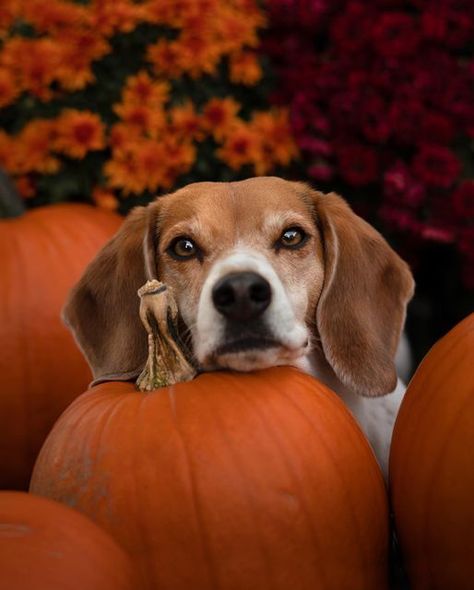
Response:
column 47, row 546
column 42, row 254
column 231, row 481
column 432, row 466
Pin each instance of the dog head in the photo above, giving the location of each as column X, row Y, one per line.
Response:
column 264, row 271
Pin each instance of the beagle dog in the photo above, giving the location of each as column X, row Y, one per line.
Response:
column 265, row 272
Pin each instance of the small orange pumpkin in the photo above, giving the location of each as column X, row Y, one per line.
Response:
column 230, row 481
column 47, row 546
column 42, row 254
column 432, row 466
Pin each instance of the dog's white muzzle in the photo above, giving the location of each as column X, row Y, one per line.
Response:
column 246, row 318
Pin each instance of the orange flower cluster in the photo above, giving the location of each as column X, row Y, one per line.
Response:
column 208, row 30
column 152, row 136
column 263, row 143
column 60, row 56
column 153, row 145
column 38, row 146
column 9, row 12
column 150, row 146
column 72, row 36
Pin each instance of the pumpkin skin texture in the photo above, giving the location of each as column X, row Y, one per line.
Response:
column 42, row 254
column 230, row 482
column 47, row 546
column 432, row 466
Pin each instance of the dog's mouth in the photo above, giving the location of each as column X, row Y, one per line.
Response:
column 253, row 347
column 252, row 352
column 246, row 344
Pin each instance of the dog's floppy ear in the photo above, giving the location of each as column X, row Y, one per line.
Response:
column 103, row 308
column 361, row 310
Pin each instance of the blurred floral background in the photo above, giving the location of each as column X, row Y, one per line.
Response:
column 115, row 101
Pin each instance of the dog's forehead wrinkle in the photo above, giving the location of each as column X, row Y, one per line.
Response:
column 228, row 212
column 206, row 217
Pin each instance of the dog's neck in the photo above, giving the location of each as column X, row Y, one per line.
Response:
column 376, row 416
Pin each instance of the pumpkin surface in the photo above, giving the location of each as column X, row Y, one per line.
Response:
column 432, row 466
column 47, row 546
column 230, row 482
column 42, row 254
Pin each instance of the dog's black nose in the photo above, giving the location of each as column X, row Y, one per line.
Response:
column 242, row 295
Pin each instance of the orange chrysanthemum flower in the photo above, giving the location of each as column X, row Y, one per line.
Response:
column 116, row 16
column 54, row 15
column 235, row 29
column 277, row 142
column 120, row 135
column 219, row 116
column 252, row 12
column 166, row 58
column 79, row 132
column 151, row 159
column 9, row 11
column 121, row 173
column 148, row 164
column 33, row 148
column 186, row 123
column 241, row 147
column 180, row 159
column 180, row 155
column 197, row 55
column 8, row 89
column 142, row 90
column 175, row 13
column 34, row 62
column 105, row 199
column 137, row 167
column 78, row 50
column 141, row 119
column 245, row 68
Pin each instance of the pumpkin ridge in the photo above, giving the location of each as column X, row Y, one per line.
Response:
column 207, row 552
column 344, row 487
column 88, row 414
column 302, row 501
column 140, row 410
column 249, row 502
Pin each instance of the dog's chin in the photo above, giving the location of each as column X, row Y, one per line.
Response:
column 253, row 359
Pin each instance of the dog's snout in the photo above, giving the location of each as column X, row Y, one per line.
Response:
column 242, row 295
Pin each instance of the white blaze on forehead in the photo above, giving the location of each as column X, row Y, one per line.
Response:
column 279, row 317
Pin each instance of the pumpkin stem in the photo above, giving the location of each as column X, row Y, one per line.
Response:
column 167, row 362
column 11, row 204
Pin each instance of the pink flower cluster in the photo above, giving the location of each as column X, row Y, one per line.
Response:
column 382, row 104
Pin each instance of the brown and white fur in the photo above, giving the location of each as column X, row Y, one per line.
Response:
column 266, row 272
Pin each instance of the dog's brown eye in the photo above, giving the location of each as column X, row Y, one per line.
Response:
column 292, row 238
column 183, row 248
